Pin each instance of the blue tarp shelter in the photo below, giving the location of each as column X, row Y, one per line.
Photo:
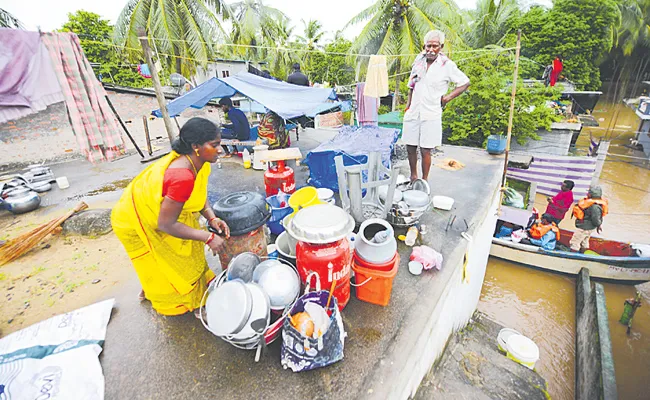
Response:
column 354, row 143
column 285, row 99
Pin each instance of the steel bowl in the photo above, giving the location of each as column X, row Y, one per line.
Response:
column 282, row 284
column 242, row 267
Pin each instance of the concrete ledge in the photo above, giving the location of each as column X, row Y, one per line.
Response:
column 595, row 377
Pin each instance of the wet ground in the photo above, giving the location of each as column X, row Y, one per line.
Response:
column 150, row 356
column 542, row 305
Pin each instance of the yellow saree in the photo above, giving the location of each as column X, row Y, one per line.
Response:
column 173, row 272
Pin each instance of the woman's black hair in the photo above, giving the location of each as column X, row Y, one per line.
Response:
column 569, row 184
column 195, row 131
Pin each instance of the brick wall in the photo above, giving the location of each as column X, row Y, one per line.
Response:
column 47, row 136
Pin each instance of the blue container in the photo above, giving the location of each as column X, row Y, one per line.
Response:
column 496, row 144
column 277, row 213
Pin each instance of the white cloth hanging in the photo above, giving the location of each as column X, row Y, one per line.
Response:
column 377, row 77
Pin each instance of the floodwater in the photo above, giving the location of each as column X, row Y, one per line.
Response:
column 541, row 305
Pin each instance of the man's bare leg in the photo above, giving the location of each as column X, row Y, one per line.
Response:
column 413, row 161
column 426, row 163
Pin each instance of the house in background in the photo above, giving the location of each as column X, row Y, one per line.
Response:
column 221, row 68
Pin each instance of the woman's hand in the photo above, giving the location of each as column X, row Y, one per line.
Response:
column 216, row 244
column 220, row 226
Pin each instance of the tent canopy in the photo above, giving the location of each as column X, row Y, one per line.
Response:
column 285, row 99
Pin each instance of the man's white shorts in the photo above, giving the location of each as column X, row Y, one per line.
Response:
column 426, row 134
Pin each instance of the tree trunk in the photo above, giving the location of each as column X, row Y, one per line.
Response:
column 396, row 94
column 179, row 65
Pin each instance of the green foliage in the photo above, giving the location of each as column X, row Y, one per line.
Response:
column 484, row 109
column 182, row 31
column 333, row 68
column 93, row 32
column 397, row 27
column 490, row 21
column 581, row 31
column 7, row 20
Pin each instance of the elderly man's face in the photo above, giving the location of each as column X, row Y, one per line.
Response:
column 432, row 48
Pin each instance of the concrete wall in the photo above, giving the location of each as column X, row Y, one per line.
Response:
column 556, row 141
column 595, row 378
column 48, row 137
column 443, row 313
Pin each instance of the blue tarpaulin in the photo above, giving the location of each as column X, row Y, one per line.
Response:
column 197, row 97
column 354, row 143
column 285, row 99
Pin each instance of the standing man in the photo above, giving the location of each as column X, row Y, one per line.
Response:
column 589, row 213
column 559, row 204
column 297, row 77
column 238, row 129
column 428, row 85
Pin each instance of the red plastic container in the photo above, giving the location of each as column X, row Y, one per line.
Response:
column 387, row 266
column 279, row 177
column 374, row 286
column 330, row 261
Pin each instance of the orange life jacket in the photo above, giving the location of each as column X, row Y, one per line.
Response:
column 538, row 230
column 579, row 209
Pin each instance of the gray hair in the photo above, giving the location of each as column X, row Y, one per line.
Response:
column 435, row 34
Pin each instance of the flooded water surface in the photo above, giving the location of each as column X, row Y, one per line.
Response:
column 541, row 305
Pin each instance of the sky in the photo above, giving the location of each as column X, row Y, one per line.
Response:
column 333, row 14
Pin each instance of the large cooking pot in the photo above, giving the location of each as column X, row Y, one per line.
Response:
column 370, row 250
column 20, row 200
column 242, row 211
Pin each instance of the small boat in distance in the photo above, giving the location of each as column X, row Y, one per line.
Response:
column 608, row 259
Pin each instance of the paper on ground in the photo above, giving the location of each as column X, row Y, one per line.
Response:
column 56, row 358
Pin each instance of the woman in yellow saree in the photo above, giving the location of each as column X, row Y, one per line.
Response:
column 156, row 219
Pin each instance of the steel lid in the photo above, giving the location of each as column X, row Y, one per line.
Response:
column 228, row 308
column 319, row 224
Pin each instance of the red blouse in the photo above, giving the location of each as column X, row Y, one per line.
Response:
column 178, row 184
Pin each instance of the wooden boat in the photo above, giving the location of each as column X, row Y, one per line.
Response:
column 615, row 261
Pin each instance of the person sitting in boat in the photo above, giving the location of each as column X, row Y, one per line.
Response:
column 559, row 204
column 589, row 214
column 544, row 233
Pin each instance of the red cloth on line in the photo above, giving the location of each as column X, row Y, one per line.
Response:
column 557, row 69
column 178, row 184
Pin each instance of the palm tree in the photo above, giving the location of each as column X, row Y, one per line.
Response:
column 489, row 21
column 397, row 27
column 313, row 33
column 287, row 53
column 256, row 24
column 634, row 28
column 183, row 30
column 9, row 21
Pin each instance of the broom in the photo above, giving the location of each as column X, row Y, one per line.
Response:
column 15, row 248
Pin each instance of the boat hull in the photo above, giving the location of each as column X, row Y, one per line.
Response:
column 621, row 269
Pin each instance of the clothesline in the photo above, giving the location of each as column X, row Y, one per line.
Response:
column 284, row 49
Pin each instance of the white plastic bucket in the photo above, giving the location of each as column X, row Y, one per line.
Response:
column 257, row 162
column 326, row 195
column 62, row 182
column 522, row 350
column 502, row 338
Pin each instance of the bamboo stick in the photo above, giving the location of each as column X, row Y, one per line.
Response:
column 510, row 119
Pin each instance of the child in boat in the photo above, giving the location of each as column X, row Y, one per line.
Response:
column 544, row 233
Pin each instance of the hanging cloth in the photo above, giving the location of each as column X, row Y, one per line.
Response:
column 28, row 82
column 377, row 77
column 93, row 122
column 143, row 70
column 367, row 107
